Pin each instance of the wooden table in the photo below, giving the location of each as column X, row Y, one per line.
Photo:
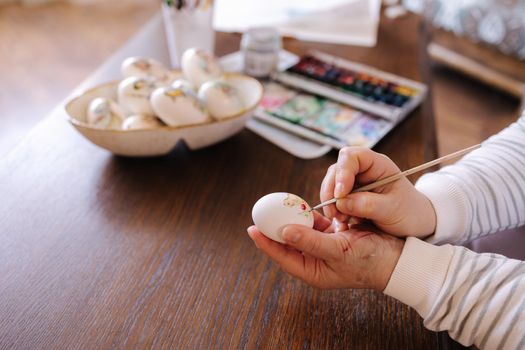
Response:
column 100, row 252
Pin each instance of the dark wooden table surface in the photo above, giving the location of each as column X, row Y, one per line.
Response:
column 98, row 251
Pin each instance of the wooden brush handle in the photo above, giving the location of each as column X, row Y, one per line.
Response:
column 396, row 177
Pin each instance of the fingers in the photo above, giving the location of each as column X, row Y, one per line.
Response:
column 341, row 226
column 327, row 192
column 290, row 260
column 312, row 242
column 321, row 223
column 347, row 168
column 377, row 165
column 361, row 163
column 366, row 205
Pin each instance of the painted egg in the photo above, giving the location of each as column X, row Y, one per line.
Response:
column 199, row 66
column 221, row 98
column 181, row 83
column 139, row 121
column 105, row 113
column 177, row 107
column 167, row 79
column 134, row 94
column 274, row 211
column 143, row 67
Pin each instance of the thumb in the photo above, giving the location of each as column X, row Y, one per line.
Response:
column 317, row 244
column 368, row 205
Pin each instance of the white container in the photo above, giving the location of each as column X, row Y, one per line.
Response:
column 261, row 47
column 189, row 26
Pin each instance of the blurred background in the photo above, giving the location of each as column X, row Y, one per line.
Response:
column 477, row 50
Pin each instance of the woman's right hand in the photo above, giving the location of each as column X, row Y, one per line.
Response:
column 397, row 208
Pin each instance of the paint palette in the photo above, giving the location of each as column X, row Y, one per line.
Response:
column 320, row 119
column 363, row 87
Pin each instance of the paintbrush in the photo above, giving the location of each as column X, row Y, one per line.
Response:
column 396, row 177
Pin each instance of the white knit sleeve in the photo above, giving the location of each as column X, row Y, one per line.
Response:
column 482, row 193
column 477, row 298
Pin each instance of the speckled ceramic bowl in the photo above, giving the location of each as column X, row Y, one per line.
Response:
column 154, row 142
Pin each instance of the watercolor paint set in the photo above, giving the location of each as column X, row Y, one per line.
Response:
column 366, row 88
column 320, row 119
column 338, row 102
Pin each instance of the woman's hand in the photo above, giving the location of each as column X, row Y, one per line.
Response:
column 360, row 257
column 396, row 208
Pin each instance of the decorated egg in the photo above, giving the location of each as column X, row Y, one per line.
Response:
column 139, row 121
column 105, row 113
column 274, row 211
column 181, row 83
column 177, row 107
column 199, row 66
column 143, row 68
column 134, row 94
column 168, row 79
column 221, row 98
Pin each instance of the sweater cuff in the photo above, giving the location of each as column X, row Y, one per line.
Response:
column 450, row 205
column 419, row 274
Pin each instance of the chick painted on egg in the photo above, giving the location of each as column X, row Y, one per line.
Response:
column 221, row 98
column 105, row 113
column 178, row 106
column 198, row 66
column 141, row 122
column 274, row 211
column 134, row 94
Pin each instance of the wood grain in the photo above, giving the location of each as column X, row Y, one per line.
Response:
column 99, row 251
column 47, row 50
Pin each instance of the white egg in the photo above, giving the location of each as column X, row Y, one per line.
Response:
column 167, row 79
column 177, row 107
column 274, row 211
column 199, row 66
column 139, row 121
column 143, row 67
column 221, row 98
column 181, row 83
column 134, row 94
column 105, row 113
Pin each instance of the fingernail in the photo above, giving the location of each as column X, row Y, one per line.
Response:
column 251, row 236
column 338, row 190
column 291, row 236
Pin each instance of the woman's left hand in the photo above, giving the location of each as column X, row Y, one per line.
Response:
column 360, row 257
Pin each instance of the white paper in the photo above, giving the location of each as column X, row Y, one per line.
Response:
column 350, row 22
